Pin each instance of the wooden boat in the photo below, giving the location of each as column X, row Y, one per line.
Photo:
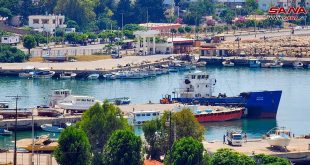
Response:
column 41, row 144
column 228, row 63
column 48, row 111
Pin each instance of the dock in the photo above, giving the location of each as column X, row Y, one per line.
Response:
column 298, row 150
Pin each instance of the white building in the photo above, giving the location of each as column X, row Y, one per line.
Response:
column 10, row 40
column 47, row 23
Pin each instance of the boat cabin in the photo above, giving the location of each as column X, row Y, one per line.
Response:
column 198, row 85
column 58, row 95
column 139, row 117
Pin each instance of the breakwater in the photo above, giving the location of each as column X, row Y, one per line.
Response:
column 244, row 61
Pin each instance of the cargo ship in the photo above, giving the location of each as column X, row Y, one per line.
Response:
column 198, row 88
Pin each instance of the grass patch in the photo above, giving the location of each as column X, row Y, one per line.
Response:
column 91, row 57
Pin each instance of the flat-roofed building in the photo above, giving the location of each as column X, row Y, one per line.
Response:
column 47, row 23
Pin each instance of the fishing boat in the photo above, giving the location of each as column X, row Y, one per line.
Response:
column 27, row 72
column 43, row 73
column 140, row 117
column 201, row 64
column 274, row 64
column 279, row 137
column 51, row 128
column 298, row 65
column 228, row 63
column 93, row 76
column 67, row 75
column 41, row 144
column 5, row 132
column 135, row 75
column 198, row 87
column 109, row 76
column 120, row 101
column 254, row 63
column 218, row 114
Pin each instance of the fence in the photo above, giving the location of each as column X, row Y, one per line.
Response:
column 67, row 52
column 25, row 159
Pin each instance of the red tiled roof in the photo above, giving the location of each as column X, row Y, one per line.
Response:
column 152, row 162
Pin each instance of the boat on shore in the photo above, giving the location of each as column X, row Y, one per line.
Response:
column 41, row 144
column 67, row 75
column 45, row 110
column 5, row 132
column 279, row 137
column 7, row 112
column 298, row 65
column 228, row 63
column 51, row 128
column 198, row 87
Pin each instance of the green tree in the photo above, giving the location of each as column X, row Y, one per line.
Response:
column 227, row 15
column 174, row 31
column 187, row 151
column 29, row 42
column 187, row 125
column 122, row 148
column 12, row 54
column 5, row 12
column 188, row 29
column 251, row 5
column 181, row 30
column 226, row 156
column 74, row 147
column 267, row 160
column 151, row 130
column 73, row 24
column 196, row 10
column 151, row 10
column 100, row 121
column 81, row 11
column 124, row 9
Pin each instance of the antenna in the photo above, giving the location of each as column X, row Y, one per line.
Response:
column 16, row 98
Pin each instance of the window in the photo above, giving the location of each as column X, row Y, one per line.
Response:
column 45, row 21
column 154, row 114
column 60, row 21
column 35, row 21
column 83, row 99
column 206, row 86
column 198, row 77
column 138, row 115
column 203, row 76
column 148, row 114
column 193, row 76
column 54, row 21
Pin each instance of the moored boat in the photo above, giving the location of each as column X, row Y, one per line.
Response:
column 298, row 65
column 67, row 75
column 279, row 137
column 120, row 101
column 219, row 114
column 274, row 64
column 51, row 128
column 27, row 73
column 228, row 63
column 5, row 132
column 254, row 63
column 93, row 76
column 43, row 73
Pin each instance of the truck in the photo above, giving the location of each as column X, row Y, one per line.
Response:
column 234, row 138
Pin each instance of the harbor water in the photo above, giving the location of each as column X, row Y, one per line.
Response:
column 293, row 113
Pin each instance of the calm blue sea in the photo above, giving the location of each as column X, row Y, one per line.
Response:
column 294, row 110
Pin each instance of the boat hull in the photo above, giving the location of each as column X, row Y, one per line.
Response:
column 278, row 141
column 223, row 116
column 257, row 104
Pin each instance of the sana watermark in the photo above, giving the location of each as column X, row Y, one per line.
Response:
column 291, row 13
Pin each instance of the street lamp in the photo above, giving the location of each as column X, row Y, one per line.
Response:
column 168, row 124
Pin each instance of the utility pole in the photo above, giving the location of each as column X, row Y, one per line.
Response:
column 16, row 98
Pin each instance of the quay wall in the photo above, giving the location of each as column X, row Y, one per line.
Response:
column 26, row 124
column 244, row 61
column 81, row 73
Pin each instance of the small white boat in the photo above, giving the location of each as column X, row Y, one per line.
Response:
column 67, row 75
column 298, row 65
column 139, row 117
column 254, row 63
column 25, row 75
column 5, row 132
column 201, row 64
column 279, row 137
column 275, row 64
column 94, row 76
column 228, row 63
column 51, row 128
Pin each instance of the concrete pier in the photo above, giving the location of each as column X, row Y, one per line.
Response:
column 297, row 151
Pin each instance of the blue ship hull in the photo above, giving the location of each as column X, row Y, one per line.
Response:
column 258, row 104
